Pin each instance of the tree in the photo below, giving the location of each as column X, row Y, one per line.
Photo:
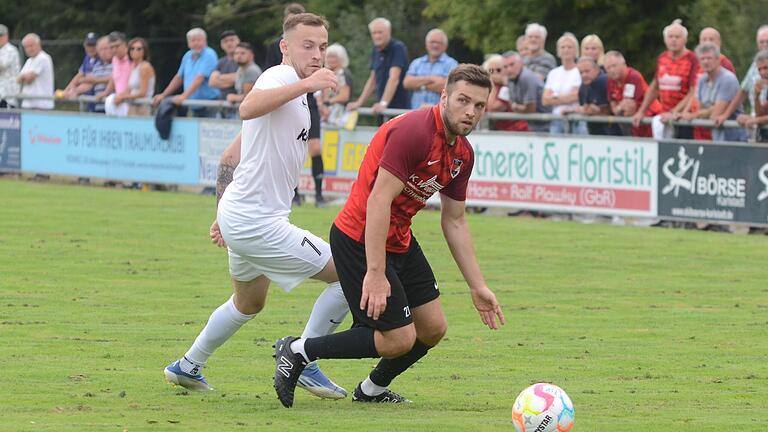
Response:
column 737, row 23
column 634, row 28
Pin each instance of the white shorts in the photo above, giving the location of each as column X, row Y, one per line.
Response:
column 283, row 252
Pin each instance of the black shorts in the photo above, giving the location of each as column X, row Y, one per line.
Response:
column 314, row 117
column 411, row 279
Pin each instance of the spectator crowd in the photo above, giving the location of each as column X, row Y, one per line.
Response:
column 581, row 78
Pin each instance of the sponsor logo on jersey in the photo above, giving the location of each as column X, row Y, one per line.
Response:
column 303, row 135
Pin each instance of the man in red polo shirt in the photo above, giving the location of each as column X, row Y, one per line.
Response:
column 672, row 84
column 385, row 276
column 626, row 91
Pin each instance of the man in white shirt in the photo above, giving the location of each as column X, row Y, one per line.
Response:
column 255, row 201
column 36, row 77
column 9, row 69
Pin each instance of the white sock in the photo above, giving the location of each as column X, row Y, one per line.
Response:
column 297, row 347
column 329, row 311
column 371, row 389
column 222, row 324
column 189, row 367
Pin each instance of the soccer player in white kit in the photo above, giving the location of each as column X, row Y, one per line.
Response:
column 252, row 217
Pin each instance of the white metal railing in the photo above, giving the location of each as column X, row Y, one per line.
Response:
column 390, row 112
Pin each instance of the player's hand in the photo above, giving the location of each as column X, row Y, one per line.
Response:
column 637, row 118
column 215, row 233
column 322, row 79
column 376, row 289
column 488, row 308
column 178, row 99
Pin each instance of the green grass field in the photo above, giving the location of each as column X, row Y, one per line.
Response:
column 646, row 329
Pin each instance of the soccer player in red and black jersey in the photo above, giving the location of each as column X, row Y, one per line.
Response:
column 384, row 274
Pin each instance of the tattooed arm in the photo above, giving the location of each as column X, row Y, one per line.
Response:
column 227, row 164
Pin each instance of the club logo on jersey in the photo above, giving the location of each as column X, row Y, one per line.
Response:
column 429, row 186
column 456, row 167
column 303, row 135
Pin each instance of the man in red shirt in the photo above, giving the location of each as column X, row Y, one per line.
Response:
column 626, row 91
column 672, row 84
column 711, row 35
column 383, row 271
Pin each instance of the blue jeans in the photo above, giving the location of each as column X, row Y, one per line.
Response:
column 576, row 127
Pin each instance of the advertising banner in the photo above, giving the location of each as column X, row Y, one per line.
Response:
column 571, row 174
column 215, row 136
column 714, row 182
column 343, row 152
column 107, row 147
column 10, row 142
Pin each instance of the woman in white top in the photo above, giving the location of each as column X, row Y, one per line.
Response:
column 333, row 103
column 561, row 90
column 141, row 83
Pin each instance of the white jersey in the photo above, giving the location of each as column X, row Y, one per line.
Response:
column 273, row 150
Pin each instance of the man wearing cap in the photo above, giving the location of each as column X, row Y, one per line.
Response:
column 224, row 75
column 10, row 63
column 77, row 85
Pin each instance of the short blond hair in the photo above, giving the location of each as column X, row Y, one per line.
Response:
column 307, row 19
column 594, row 39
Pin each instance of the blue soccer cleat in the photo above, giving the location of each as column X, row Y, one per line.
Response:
column 175, row 375
column 314, row 381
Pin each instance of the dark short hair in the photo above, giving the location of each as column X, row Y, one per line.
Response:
column 245, row 45
column 117, row 36
column 293, row 9
column 589, row 60
column 227, row 33
column 308, row 19
column 144, row 45
column 471, row 73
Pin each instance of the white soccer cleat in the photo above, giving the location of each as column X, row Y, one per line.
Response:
column 314, row 381
column 175, row 375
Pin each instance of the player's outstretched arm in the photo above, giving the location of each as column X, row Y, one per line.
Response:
column 230, row 158
column 376, row 288
column 459, row 241
column 259, row 102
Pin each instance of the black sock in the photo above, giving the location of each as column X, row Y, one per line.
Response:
column 355, row 343
column 317, row 173
column 388, row 369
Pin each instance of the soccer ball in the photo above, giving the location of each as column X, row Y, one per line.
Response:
column 543, row 407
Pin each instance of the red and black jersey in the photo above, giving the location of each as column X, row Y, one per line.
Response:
column 413, row 148
column 676, row 77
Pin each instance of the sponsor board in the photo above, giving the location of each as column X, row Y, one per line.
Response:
column 214, row 137
column 569, row 174
column 714, row 182
column 107, row 147
column 10, row 142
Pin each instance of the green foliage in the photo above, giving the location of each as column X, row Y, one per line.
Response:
column 474, row 27
column 646, row 329
column 494, row 25
column 737, row 23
